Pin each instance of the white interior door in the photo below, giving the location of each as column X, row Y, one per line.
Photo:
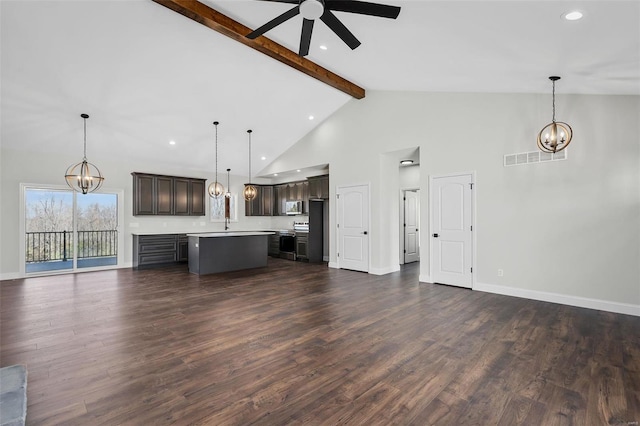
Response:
column 451, row 233
column 411, row 227
column 353, row 227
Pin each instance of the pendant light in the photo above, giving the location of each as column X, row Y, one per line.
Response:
column 228, row 193
column 250, row 190
column 84, row 177
column 555, row 136
column 215, row 188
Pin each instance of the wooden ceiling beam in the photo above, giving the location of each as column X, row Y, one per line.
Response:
column 221, row 23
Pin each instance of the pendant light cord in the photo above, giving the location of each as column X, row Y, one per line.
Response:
column 554, row 100
column 249, row 131
column 215, row 123
column 85, row 138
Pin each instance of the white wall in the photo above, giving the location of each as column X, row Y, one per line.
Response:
column 564, row 228
column 35, row 168
column 410, row 177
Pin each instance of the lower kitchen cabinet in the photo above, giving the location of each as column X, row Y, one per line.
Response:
column 274, row 245
column 159, row 249
column 183, row 248
column 302, row 245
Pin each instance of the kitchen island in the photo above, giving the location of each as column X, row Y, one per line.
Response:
column 213, row 252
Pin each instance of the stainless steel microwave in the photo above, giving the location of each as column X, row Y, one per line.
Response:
column 293, row 207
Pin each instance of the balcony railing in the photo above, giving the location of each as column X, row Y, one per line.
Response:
column 58, row 245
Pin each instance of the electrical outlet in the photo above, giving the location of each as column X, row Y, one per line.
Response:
column 500, row 273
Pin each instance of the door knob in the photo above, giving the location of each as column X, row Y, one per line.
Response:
column 435, row 235
column 365, row 232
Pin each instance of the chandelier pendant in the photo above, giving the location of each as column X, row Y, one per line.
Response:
column 555, row 136
column 84, row 177
column 250, row 191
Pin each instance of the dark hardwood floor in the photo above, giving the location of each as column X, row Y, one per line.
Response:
column 298, row 343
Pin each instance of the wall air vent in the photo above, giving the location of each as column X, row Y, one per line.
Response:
column 533, row 157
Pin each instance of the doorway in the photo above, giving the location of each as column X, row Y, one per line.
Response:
column 411, row 227
column 353, row 227
column 451, row 212
column 65, row 231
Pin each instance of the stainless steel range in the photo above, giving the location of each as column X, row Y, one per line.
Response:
column 301, row 226
column 301, row 229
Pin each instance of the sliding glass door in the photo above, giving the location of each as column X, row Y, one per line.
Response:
column 66, row 231
column 48, row 230
column 97, row 236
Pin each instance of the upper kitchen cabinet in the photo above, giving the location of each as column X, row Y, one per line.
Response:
column 262, row 204
column 280, row 198
column 167, row 195
column 318, row 187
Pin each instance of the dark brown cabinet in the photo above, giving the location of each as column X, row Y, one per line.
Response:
column 159, row 249
column 144, row 188
column 167, row 195
column 319, row 187
column 274, row 245
column 302, row 245
column 197, row 206
column 271, row 199
column 262, row 204
column 183, row 248
column 181, row 197
column 280, row 198
column 164, row 195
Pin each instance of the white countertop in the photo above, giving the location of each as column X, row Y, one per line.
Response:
column 230, row 234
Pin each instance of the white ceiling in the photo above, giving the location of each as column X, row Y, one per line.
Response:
column 147, row 75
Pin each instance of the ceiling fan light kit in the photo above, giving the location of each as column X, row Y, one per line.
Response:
column 323, row 10
column 311, row 9
column 555, row 136
column 84, row 177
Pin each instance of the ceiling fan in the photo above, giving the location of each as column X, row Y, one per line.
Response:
column 314, row 9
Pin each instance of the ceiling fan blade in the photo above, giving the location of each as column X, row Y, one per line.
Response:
column 305, row 38
column 340, row 30
column 364, row 8
column 274, row 22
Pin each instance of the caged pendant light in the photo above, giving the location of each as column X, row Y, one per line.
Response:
column 250, row 190
column 555, row 136
column 215, row 188
column 84, row 177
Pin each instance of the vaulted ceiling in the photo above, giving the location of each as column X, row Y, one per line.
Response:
column 148, row 75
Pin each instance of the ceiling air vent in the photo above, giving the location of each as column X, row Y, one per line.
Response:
column 533, row 157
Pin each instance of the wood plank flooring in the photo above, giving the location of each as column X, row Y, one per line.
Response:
column 302, row 344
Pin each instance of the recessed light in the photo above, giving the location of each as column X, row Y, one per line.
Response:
column 172, row 142
column 406, row 162
column 263, row 158
column 275, row 174
column 311, row 117
column 298, row 170
column 323, row 47
column 573, row 16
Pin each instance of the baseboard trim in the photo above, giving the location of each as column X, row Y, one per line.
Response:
column 581, row 302
column 334, row 265
column 17, row 276
column 384, row 271
column 10, row 276
column 425, row 279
